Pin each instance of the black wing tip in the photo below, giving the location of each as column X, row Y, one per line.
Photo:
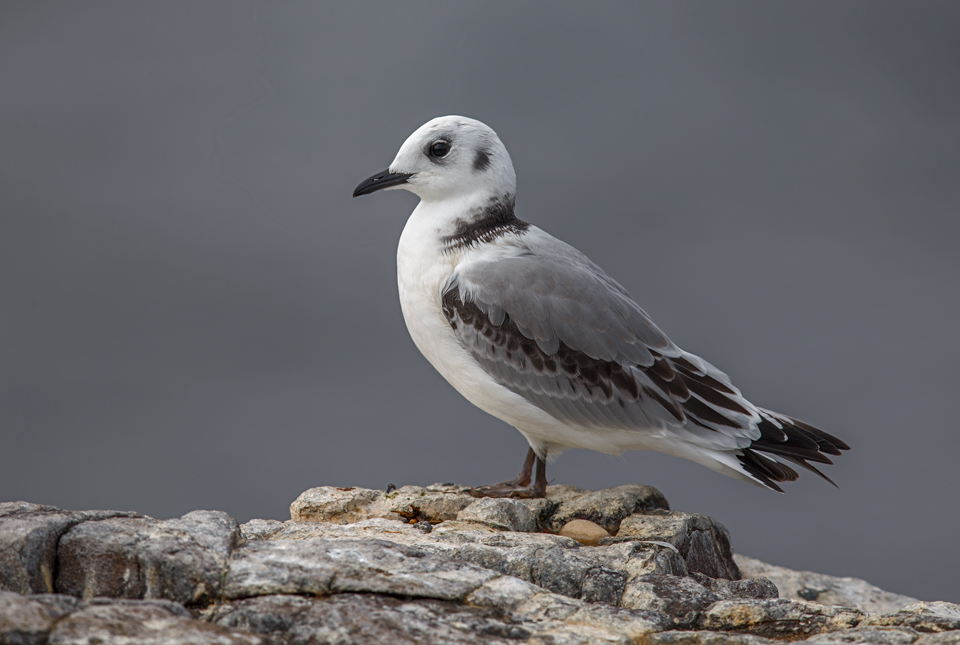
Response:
column 795, row 441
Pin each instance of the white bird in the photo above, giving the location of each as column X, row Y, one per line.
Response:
column 531, row 331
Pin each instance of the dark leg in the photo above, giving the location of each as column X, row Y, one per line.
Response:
column 520, row 485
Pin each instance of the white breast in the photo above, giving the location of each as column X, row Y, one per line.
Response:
column 422, row 269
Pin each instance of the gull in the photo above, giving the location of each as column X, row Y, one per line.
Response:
column 530, row 330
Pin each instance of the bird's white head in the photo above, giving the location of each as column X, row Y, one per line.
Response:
column 450, row 157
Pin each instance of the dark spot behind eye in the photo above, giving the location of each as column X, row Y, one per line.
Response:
column 481, row 161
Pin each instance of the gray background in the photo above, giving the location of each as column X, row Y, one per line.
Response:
column 195, row 314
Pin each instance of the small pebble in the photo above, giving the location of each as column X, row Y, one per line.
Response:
column 584, row 532
column 425, row 526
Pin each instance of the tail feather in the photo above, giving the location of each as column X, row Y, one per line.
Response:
column 789, row 439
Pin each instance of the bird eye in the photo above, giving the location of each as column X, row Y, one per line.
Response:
column 439, row 149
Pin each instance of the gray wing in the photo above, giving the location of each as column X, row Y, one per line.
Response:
column 549, row 325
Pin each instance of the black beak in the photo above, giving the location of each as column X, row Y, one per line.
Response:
column 381, row 180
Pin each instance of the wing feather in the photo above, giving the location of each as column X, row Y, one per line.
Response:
column 549, row 325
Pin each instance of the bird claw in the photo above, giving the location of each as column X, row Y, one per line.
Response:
column 510, row 490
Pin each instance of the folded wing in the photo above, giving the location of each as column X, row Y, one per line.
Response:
column 549, row 325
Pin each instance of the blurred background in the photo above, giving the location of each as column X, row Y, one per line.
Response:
column 194, row 313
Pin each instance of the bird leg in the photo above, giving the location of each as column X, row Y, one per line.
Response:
column 520, row 485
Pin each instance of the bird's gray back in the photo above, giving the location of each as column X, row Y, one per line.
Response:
column 550, row 325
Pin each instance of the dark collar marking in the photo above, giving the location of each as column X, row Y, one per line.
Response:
column 487, row 224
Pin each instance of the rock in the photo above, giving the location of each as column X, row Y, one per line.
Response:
column 260, row 529
column 608, row 507
column 182, row 560
column 500, row 611
column 447, row 568
column 706, row 638
column 145, row 622
column 939, row 638
column 682, row 599
column 781, row 618
column 702, row 541
column 503, row 593
column 584, row 532
column 321, row 567
column 331, row 504
column 28, row 543
column 565, row 492
column 24, row 620
column 365, row 618
column 437, row 503
column 556, row 563
column 523, row 515
column 921, row 616
column 826, row 590
column 865, row 636
column 634, row 624
column 755, row 588
column 100, row 558
column 557, row 619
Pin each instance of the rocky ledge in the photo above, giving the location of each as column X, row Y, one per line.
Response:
column 428, row 565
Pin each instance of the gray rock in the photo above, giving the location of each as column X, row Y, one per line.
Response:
column 437, row 503
column 325, row 566
column 27, row 621
column 703, row 542
column 826, row 590
column 28, row 543
column 523, row 515
column 780, row 618
column 347, row 619
column 565, row 492
column 706, row 638
column 682, row 599
column 556, row 563
column 141, row 622
column 939, row 638
column 608, row 507
column 447, row 568
column 865, row 636
column 100, row 558
column 531, row 607
column 752, row 588
column 597, row 574
column 921, row 616
column 632, row 623
column 332, row 504
column 182, row 560
column 553, row 618
column 260, row 529
column 504, row 593
column 578, row 635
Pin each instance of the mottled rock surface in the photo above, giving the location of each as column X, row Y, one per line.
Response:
column 778, row 618
column 826, row 590
column 607, row 508
column 437, row 503
column 427, row 565
column 29, row 534
column 145, row 622
column 182, row 560
column 922, row 617
column 703, row 542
